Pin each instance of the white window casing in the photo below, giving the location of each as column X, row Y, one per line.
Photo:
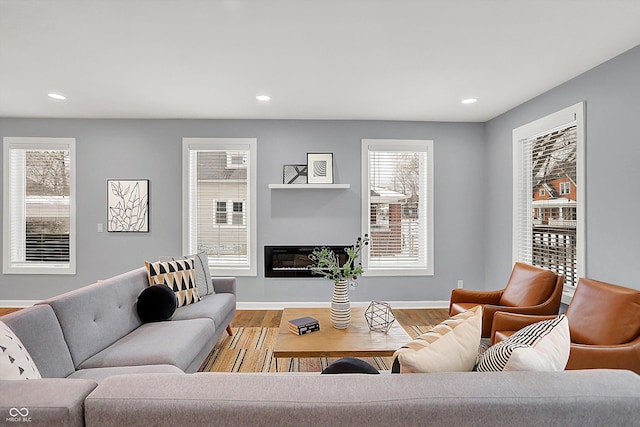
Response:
column 219, row 173
column 397, row 207
column 39, row 211
column 561, row 212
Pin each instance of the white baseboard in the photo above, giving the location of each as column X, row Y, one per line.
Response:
column 17, row 303
column 262, row 305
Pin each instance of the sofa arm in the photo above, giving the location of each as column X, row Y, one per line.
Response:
column 224, row 285
column 48, row 401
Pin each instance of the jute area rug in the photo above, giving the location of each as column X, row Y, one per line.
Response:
column 251, row 350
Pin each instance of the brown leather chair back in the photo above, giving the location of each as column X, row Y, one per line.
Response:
column 603, row 314
column 528, row 286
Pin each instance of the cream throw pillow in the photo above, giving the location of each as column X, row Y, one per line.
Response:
column 451, row 346
column 542, row 346
column 15, row 361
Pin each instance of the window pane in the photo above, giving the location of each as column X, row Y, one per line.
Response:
column 554, row 216
column 216, row 181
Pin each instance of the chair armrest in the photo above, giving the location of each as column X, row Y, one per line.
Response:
column 507, row 321
column 480, row 297
column 622, row 356
column 224, row 285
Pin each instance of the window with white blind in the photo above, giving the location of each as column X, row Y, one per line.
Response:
column 39, row 206
column 548, row 231
column 397, row 206
column 219, row 200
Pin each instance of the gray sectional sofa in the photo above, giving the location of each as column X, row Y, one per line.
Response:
column 102, row 366
column 79, row 338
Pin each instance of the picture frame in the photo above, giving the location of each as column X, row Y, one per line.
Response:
column 320, row 168
column 128, row 205
column 294, row 174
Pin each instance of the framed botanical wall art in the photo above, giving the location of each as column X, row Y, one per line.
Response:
column 320, row 168
column 128, row 205
column 294, row 174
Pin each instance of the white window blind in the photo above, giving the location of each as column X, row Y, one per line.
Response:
column 548, row 194
column 219, row 191
column 397, row 206
column 39, row 215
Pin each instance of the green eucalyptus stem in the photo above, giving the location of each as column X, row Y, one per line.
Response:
column 326, row 263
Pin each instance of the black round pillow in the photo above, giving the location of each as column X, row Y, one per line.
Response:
column 156, row 303
column 350, row 365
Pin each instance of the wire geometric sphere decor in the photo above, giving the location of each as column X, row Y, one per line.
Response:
column 379, row 316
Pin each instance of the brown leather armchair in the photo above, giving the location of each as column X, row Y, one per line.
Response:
column 604, row 322
column 530, row 290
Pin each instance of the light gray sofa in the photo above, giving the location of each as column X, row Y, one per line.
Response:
column 94, row 332
column 567, row 398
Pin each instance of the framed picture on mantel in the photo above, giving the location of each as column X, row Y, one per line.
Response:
column 320, row 168
column 294, row 174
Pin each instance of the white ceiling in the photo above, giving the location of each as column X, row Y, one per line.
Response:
column 317, row 59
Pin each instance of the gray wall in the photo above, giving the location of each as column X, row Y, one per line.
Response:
column 152, row 149
column 611, row 92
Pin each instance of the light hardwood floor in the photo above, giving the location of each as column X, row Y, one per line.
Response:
column 4, row 311
column 271, row 318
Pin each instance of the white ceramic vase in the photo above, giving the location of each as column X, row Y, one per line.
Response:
column 340, row 305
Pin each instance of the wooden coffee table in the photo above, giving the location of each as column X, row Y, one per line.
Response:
column 355, row 341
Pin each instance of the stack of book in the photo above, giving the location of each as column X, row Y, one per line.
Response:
column 304, row 325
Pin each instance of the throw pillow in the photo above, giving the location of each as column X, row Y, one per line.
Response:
column 350, row 365
column 451, row 346
column 178, row 275
column 202, row 273
column 156, row 303
column 15, row 361
column 542, row 346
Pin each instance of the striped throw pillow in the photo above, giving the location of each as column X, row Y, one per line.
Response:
column 542, row 346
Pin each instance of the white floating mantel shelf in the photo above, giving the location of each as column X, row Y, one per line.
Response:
column 309, row 186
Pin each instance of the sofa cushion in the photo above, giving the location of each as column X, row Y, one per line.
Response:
column 156, row 303
column 15, row 360
column 215, row 307
column 40, row 332
column 95, row 316
column 451, row 346
column 202, row 273
column 178, row 275
column 174, row 343
column 542, row 346
column 99, row 374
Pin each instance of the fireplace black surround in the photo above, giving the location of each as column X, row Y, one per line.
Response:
column 293, row 261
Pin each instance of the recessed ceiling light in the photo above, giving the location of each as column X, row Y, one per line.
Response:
column 263, row 98
column 57, row 96
column 469, row 101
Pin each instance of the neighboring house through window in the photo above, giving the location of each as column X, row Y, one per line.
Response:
column 219, row 191
column 39, row 206
column 397, row 206
column 548, row 194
